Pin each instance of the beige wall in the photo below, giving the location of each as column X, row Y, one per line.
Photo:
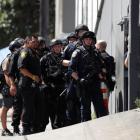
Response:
column 65, row 17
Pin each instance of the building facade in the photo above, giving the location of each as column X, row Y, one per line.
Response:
column 118, row 23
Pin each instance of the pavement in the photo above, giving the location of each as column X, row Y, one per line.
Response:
column 9, row 120
column 119, row 126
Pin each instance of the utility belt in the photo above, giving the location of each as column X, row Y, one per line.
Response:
column 91, row 77
column 25, row 81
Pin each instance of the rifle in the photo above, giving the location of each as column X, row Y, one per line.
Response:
column 63, row 92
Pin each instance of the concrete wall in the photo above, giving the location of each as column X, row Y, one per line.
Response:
column 65, row 16
column 68, row 15
column 112, row 13
column 110, row 17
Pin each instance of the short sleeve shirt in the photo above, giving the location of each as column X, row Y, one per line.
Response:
column 29, row 60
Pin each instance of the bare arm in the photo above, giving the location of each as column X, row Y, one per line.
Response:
column 25, row 72
column 13, row 88
column 7, row 78
column 75, row 75
column 65, row 63
column 126, row 61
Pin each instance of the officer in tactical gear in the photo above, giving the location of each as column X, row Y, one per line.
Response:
column 42, row 47
column 79, row 30
column 13, row 74
column 72, row 38
column 85, row 68
column 7, row 101
column 53, row 76
column 72, row 102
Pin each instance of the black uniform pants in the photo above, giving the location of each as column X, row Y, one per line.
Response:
column 73, row 105
column 58, row 105
column 28, row 115
column 17, row 109
column 89, row 94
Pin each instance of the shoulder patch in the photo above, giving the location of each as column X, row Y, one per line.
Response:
column 74, row 54
column 23, row 54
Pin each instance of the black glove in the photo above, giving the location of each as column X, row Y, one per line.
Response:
column 82, row 82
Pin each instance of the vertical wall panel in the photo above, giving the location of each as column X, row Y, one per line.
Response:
column 134, row 59
column 109, row 30
column 68, row 15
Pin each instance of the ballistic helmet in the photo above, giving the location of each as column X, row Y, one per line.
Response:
column 64, row 42
column 41, row 40
column 89, row 34
column 55, row 42
column 16, row 43
column 19, row 40
column 72, row 35
column 81, row 27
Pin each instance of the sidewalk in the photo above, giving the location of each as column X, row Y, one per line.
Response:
column 9, row 120
column 119, row 126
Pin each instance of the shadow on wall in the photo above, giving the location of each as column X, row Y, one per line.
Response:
column 120, row 102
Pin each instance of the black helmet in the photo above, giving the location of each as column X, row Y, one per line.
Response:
column 19, row 40
column 81, row 27
column 41, row 40
column 64, row 42
column 16, row 43
column 55, row 42
column 89, row 34
column 72, row 35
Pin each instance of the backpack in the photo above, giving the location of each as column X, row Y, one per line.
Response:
column 110, row 67
column 109, row 63
column 2, row 77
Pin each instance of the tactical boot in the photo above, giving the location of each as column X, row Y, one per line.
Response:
column 16, row 131
column 26, row 131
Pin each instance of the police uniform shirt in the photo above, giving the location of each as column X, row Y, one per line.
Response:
column 29, row 60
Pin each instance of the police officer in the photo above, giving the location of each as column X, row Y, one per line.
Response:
column 72, row 38
column 30, row 72
column 79, row 30
column 52, row 74
column 85, row 67
column 13, row 74
column 72, row 102
column 42, row 47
